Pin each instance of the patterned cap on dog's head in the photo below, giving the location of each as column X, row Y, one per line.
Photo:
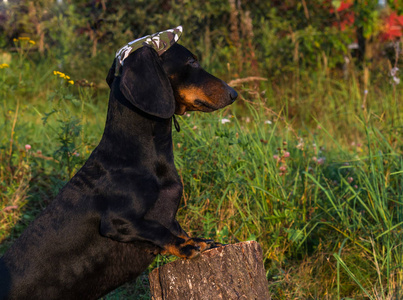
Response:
column 160, row 42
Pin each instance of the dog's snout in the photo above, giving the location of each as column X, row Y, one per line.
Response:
column 233, row 94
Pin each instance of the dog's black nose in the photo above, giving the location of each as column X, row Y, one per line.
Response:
column 233, row 94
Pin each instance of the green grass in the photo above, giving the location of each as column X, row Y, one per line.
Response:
column 343, row 204
column 301, row 167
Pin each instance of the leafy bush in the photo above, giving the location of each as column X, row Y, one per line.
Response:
column 252, row 37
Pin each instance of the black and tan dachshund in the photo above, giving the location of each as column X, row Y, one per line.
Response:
column 111, row 219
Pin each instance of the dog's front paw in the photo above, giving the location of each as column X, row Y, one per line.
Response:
column 189, row 248
column 186, row 249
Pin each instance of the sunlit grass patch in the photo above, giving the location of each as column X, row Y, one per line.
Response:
column 298, row 197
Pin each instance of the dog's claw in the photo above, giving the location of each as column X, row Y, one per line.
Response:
column 217, row 245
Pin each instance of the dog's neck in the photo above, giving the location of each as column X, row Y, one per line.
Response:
column 129, row 130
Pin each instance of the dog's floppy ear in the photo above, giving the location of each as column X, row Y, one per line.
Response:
column 145, row 84
column 111, row 74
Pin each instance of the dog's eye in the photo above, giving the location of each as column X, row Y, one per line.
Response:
column 194, row 63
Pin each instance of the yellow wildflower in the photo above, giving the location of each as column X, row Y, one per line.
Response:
column 64, row 76
column 24, row 38
column 31, row 42
column 15, row 40
column 3, row 66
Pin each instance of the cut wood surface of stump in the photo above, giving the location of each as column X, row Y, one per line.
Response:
column 228, row 272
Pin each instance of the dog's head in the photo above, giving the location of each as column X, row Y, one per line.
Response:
column 194, row 88
column 173, row 82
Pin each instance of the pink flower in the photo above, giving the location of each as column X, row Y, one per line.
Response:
column 283, row 168
column 27, row 147
column 276, row 157
column 350, row 179
column 286, row 154
column 320, row 161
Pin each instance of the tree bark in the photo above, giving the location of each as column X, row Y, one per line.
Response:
column 228, row 272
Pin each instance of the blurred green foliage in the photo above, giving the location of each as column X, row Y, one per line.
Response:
column 266, row 37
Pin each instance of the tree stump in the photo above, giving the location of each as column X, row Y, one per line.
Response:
column 228, row 272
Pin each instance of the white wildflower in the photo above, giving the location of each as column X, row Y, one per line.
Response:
column 393, row 73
